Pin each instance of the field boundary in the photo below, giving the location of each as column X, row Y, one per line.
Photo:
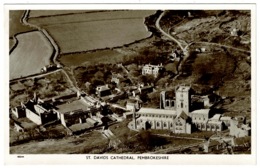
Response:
column 35, row 17
column 107, row 48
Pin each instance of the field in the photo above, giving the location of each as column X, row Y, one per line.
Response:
column 92, row 142
column 49, row 13
column 104, row 56
column 91, row 31
column 31, row 54
column 15, row 25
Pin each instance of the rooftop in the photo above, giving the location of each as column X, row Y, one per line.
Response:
column 225, row 118
column 102, row 88
column 214, row 122
column 183, row 88
column 183, row 115
column 201, row 111
column 72, row 106
column 216, row 117
column 152, row 66
column 156, row 111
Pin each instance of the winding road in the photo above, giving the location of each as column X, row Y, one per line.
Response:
column 185, row 49
column 157, row 24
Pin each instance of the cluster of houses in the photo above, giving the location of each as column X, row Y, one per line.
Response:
column 75, row 112
column 180, row 112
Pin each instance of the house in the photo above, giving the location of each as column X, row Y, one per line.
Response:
column 19, row 112
column 103, row 90
column 212, row 145
column 119, row 79
column 24, row 125
column 175, row 54
column 234, row 32
column 152, row 70
column 39, row 111
column 132, row 105
column 128, row 115
column 226, row 120
column 136, row 92
column 238, row 128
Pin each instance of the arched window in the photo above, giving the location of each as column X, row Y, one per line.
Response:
column 164, row 124
column 158, row 124
column 167, row 103
column 181, row 104
column 172, row 103
column 171, row 125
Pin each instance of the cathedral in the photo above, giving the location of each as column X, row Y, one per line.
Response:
column 175, row 114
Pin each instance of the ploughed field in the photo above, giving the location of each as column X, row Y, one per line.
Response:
column 78, row 32
column 32, row 53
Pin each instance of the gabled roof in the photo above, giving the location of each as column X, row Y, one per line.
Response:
column 216, row 117
column 183, row 115
column 201, row 111
column 156, row 111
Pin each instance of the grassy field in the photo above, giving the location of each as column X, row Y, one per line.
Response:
column 86, row 16
column 92, row 142
column 48, row 13
column 85, row 58
column 15, row 25
column 90, row 31
column 32, row 53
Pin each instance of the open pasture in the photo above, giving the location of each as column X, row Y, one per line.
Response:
column 91, row 31
column 49, row 13
column 104, row 56
column 15, row 24
column 69, row 18
column 31, row 54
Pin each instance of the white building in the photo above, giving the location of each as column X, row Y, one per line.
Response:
column 152, row 69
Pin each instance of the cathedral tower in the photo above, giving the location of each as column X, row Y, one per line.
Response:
column 182, row 99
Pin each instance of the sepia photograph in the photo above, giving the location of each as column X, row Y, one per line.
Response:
column 134, row 84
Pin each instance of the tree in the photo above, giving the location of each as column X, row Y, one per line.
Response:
column 154, row 98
